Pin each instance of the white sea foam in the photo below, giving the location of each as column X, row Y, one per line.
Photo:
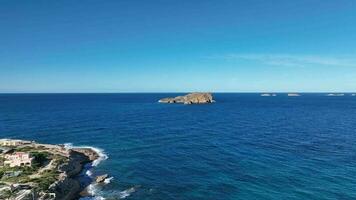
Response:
column 102, row 156
column 108, row 180
column 68, row 145
column 100, row 152
column 89, row 173
column 126, row 193
column 99, row 198
column 93, row 191
column 92, row 198
column 93, row 188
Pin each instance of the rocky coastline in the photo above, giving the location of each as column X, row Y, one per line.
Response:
column 191, row 98
column 68, row 186
column 60, row 170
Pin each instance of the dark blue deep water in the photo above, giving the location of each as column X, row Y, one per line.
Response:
column 243, row 147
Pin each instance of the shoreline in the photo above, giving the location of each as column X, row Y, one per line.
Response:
column 64, row 163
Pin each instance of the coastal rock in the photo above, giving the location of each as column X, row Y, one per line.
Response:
column 75, row 164
column 101, row 179
column 67, row 189
column 86, row 192
column 88, row 152
column 192, row 98
column 63, row 165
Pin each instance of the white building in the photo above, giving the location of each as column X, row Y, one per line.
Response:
column 18, row 159
column 9, row 142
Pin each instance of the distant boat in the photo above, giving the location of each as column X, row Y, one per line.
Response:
column 293, row 95
column 335, row 95
column 353, row 94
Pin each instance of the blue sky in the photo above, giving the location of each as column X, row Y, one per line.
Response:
column 178, row 46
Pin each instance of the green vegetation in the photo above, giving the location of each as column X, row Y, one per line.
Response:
column 42, row 173
column 59, row 159
column 40, row 158
column 5, row 194
column 25, row 171
column 24, row 149
column 47, row 178
column 44, row 181
column 2, row 159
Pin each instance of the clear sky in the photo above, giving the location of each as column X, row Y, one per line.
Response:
column 177, row 46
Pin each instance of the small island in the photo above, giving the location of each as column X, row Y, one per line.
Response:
column 29, row 170
column 268, row 95
column 335, row 95
column 192, row 98
column 293, row 94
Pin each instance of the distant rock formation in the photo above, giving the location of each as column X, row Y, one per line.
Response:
column 192, row 98
column 335, row 95
column 268, row 95
column 293, row 95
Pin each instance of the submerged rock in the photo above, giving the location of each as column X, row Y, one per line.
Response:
column 192, row 98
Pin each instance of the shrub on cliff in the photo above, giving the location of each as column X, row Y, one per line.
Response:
column 40, row 158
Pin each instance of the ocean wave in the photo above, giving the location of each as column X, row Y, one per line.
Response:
column 89, row 173
column 127, row 193
column 92, row 188
column 96, row 194
column 108, row 180
column 92, row 198
column 102, row 155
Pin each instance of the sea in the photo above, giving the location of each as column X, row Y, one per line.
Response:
column 242, row 147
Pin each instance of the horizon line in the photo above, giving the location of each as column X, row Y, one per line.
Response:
column 217, row 92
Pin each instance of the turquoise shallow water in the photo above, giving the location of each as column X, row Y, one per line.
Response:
column 242, row 147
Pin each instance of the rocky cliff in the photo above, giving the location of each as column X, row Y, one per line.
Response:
column 67, row 187
column 192, row 98
column 54, row 177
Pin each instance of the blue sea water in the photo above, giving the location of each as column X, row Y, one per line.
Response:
column 243, row 147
